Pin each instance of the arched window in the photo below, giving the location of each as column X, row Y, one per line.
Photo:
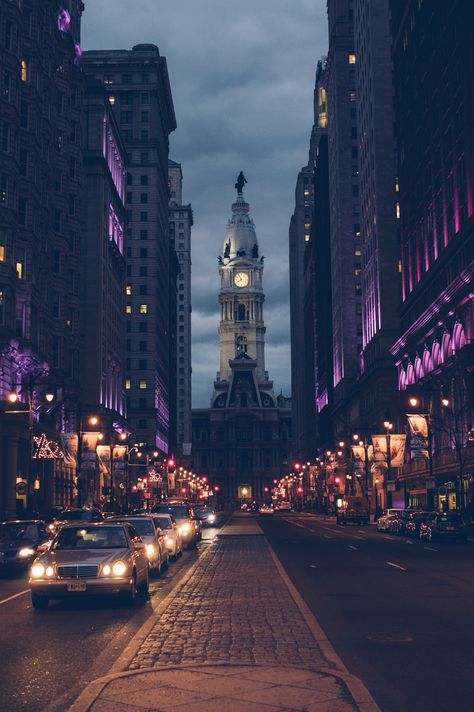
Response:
column 459, row 339
column 427, row 361
column 410, row 374
column 419, row 372
column 446, row 346
column 436, row 355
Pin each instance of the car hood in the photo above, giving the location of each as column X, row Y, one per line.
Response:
column 83, row 556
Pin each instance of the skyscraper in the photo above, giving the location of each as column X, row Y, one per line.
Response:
column 180, row 223
column 140, row 94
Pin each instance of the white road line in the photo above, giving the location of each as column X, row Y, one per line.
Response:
column 313, row 566
column 353, row 547
column 10, row 598
column 290, row 521
column 407, row 541
column 335, row 531
column 326, row 536
column 429, row 548
column 395, row 566
column 388, row 538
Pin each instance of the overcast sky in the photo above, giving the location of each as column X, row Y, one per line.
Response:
column 242, row 78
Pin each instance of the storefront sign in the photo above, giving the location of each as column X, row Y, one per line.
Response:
column 44, row 449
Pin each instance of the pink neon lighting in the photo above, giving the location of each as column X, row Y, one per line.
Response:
column 64, row 20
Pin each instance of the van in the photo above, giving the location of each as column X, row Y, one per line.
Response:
column 353, row 509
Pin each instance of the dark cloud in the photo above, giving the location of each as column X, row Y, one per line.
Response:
column 242, row 77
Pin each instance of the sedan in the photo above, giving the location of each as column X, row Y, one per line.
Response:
column 90, row 560
column 205, row 515
column 189, row 527
column 384, row 523
column 447, row 526
column 266, row 509
column 19, row 541
column 413, row 525
column 151, row 535
column 173, row 538
column 78, row 514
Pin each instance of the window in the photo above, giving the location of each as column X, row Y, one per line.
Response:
column 143, row 346
column 143, row 290
column 126, row 78
column 143, row 180
column 128, row 309
column 20, row 264
column 128, row 290
column 143, row 252
column 143, row 423
column 127, row 134
column 144, row 117
column 143, row 197
column 72, row 204
column 111, row 99
column 143, row 156
column 8, row 35
column 6, row 86
column 145, row 97
column 144, row 217
column 143, row 327
column 352, row 59
column 142, row 385
column 307, row 237
column 57, row 220
column 357, row 269
column 143, row 364
column 143, row 272
column 143, row 234
column 143, row 308
column 358, row 290
column 2, row 253
column 142, row 403
column 397, row 210
column 144, row 134
column 5, row 139
column 24, row 70
column 4, row 185
column 126, row 117
column 59, row 141
column 56, row 305
column 72, row 167
column 128, row 384
column 56, row 261
column 108, row 79
column 24, row 114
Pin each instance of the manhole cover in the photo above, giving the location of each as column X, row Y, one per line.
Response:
column 389, row 638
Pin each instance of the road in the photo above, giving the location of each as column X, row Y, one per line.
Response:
column 49, row 656
column 398, row 612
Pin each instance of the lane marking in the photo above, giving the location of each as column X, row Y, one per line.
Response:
column 353, row 547
column 429, row 548
column 395, row 566
column 407, row 541
column 313, row 566
column 336, row 531
column 326, row 536
column 10, row 598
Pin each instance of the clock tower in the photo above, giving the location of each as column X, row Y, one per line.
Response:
column 241, row 297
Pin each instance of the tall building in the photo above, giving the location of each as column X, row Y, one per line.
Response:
column 140, row 95
column 434, row 109
column 379, row 209
column 41, row 207
column 180, row 223
column 345, row 221
column 242, row 442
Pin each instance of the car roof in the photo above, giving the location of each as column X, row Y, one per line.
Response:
column 23, row 521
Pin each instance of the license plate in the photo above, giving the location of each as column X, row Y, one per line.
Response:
column 76, row 586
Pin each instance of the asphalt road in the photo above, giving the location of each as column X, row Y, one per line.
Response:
column 399, row 612
column 49, row 656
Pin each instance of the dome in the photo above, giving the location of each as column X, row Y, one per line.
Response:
column 240, row 236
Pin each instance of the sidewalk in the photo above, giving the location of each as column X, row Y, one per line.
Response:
column 233, row 635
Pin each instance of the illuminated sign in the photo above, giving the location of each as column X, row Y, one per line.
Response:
column 44, row 449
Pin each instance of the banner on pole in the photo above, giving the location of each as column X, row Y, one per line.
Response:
column 88, row 450
column 69, row 442
column 118, row 459
column 379, row 443
column 358, row 453
column 103, row 456
column 418, row 436
column 397, row 449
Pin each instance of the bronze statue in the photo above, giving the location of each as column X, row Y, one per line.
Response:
column 241, row 181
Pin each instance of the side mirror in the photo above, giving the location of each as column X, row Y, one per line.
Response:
column 44, row 547
column 138, row 545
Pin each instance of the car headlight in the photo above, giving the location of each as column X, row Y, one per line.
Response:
column 37, row 571
column 185, row 528
column 26, row 552
column 106, row 570
column 51, row 527
column 150, row 550
column 167, row 540
column 119, row 568
column 212, row 518
column 49, row 571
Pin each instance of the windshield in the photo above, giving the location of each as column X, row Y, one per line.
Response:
column 10, row 532
column 163, row 522
column 144, row 527
column 76, row 516
column 178, row 511
column 95, row 537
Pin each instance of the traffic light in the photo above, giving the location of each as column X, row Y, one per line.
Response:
column 297, row 466
column 216, row 488
column 337, row 480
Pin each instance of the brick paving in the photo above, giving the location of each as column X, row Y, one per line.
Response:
column 235, row 609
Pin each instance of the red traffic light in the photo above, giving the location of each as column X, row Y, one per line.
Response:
column 171, row 462
column 216, row 488
column 337, row 480
column 300, row 489
column 297, row 466
column 183, row 490
column 265, row 489
column 204, row 479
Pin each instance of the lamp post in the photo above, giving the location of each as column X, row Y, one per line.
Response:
column 388, row 494
column 92, row 420
column 414, row 402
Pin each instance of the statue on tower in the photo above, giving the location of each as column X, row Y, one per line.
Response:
column 241, row 181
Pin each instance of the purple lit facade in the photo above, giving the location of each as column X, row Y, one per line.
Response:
column 434, row 109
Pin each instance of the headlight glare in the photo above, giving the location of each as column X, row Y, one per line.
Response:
column 212, row 518
column 37, row 571
column 150, row 550
column 186, row 528
column 119, row 568
column 49, row 571
column 26, row 552
column 106, row 570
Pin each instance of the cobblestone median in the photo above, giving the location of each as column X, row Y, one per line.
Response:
column 234, row 609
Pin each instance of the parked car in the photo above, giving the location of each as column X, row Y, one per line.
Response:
column 153, row 537
column 354, row 510
column 205, row 515
column 173, row 538
column 20, row 540
column 89, row 560
column 77, row 514
column 384, row 521
column 413, row 524
column 189, row 526
column 284, row 506
column 441, row 526
column 266, row 509
column 399, row 522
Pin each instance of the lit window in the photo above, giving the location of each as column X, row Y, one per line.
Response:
column 352, row 96
column 143, row 309
column 400, row 269
column 397, row 210
column 306, row 192
column 24, row 70
column 128, row 384
column 112, row 99
column 307, row 226
column 128, row 290
column 142, row 385
column 357, row 252
column 2, row 253
column 306, row 238
column 20, row 270
column 128, row 309
column 352, row 59
column 397, row 185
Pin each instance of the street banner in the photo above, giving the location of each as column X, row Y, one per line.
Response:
column 69, row 443
column 171, row 481
column 88, row 454
column 379, row 443
column 418, row 436
column 103, row 456
column 118, row 459
column 397, row 449
column 358, row 452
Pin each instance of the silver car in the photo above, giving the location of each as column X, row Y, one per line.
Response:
column 153, row 537
column 91, row 559
column 173, row 537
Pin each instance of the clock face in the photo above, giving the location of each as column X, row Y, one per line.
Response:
column 241, row 279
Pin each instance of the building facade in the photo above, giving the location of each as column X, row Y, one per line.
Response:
column 345, row 220
column 140, row 95
column 41, row 207
column 242, row 442
column 180, row 223
column 433, row 97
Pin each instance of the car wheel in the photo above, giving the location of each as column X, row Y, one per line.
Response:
column 131, row 595
column 39, row 603
column 146, row 584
